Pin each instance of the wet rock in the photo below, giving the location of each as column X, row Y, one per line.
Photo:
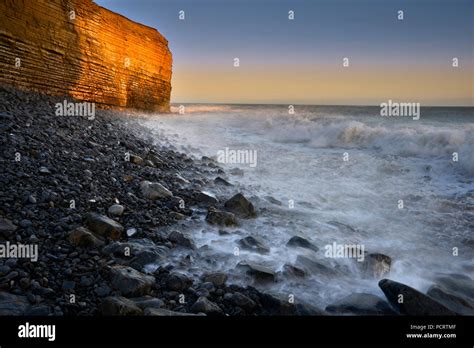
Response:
column 6, row 227
column 253, row 244
column 316, row 267
column 457, row 304
column 161, row 312
column 116, row 209
column 82, row 237
column 240, row 206
column 455, row 291
column 240, row 300
column 177, row 282
column 413, row 302
column 136, row 159
column 273, row 200
column 104, row 226
column 38, row 310
column 182, row 239
column 154, row 190
column 293, row 271
column 203, row 305
column 118, row 305
column 361, row 304
column 259, row 272
column 205, row 199
column 129, row 281
column 218, row 279
column 13, row 304
column 376, row 265
column 221, row 181
column 298, row 241
column 217, row 217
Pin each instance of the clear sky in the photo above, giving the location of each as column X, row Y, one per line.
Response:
column 300, row 61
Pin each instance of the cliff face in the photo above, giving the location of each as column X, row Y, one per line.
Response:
column 78, row 48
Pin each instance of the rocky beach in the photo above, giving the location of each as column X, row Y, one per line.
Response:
column 104, row 205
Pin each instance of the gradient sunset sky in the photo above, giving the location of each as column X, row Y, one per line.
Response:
column 300, row 61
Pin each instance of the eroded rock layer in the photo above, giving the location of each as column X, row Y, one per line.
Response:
column 78, row 48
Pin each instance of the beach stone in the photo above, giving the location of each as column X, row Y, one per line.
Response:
column 118, row 305
column 203, row 305
column 104, row 226
column 116, row 209
column 154, row 190
column 240, row 206
column 240, row 300
column 360, row 304
column 82, row 237
column 177, row 282
column 13, row 304
column 129, row 281
column 218, row 279
column 6, row 227
column 253, row 244
column 136, row 159
column 221, row 181
column 414, row 302
column 222, row 218
column 147, row 302
column 204, row 199
column 298, row 241
column 315, row 267
column 182, row 239
column 259, row 272
column 293, row 271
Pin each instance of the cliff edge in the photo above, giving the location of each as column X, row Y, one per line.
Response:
column 77, row 48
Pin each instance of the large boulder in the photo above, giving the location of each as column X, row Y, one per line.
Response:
column 129, row 281
column 410, row 301
column 455, row 291
column 361, row 304
column 253, row 244
column 154, row 190
column 218, row 279
column 104, row 226
column 181, row 238
column 240, row 206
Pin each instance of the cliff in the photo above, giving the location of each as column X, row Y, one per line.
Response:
column 78, row 48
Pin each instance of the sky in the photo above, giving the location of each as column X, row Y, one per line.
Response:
column 300, row 61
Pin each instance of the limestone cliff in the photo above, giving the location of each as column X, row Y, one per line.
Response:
column 78, row 48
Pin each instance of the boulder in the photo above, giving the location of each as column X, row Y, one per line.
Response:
column 203, row 305
column 82, row 237
column 259, row 272
column 182, row 239
column 222, row 218
column 205, row 199
column 253, row 244
column 104, row 226
column 293, row 271
column 221, row 181
column 177, row 282
column 129, row 281
column 361, row 304
column 154, row 190
column 218, row 279
column 298, row 241
column 315, row 267
column 410, row 301
column 240, row 206
column 376, row 265
column 118, row 305
column 455, row 303
column 240, row 300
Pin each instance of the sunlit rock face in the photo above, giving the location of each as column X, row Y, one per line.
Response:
column 78, row 48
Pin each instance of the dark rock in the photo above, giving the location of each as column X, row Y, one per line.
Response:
column 82, row 237
column 412, row 301
column 221, row 181
column 161, row 312
column 178, row 282
column 13, row 304
column 240, row 300
column 259, row 272
column 6, row 227
column 154, row 190
column 298, row 241
column 293, row 271
column 218, row 279
column 148, row 302
column 182, row 239
column 455, row 303
column 240, row 206
column 315, row 267
column 376, row 265
column 217, row 217
column 253, row 244
column 361, row 304
column 203, row 305
column 205, row 199
column 112, row 306
column 116, row 209
column 38, row 310
column 129, row 281
column 104, row 226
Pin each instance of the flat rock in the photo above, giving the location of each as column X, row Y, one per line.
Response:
column 129, row 281
column 154, row 190
column 240, row 206
column 414, row 302
column 118, row 305
column 104, row 226
column 361, row 304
